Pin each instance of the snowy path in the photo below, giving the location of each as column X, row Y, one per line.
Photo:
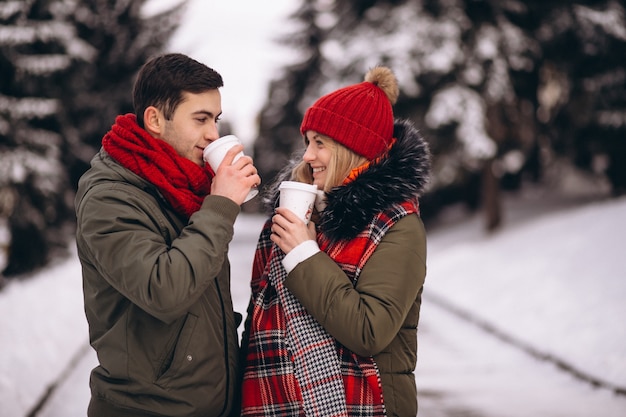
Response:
column 465, row 372
column 462, row 370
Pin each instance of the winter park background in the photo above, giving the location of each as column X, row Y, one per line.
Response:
column 523, row 310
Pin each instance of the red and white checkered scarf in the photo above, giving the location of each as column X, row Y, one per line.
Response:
column 293, row 367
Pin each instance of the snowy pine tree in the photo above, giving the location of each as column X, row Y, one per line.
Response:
column 281, row 114
column 37, row 47
column 94, row 92
column 494, row 86
column 67, row 68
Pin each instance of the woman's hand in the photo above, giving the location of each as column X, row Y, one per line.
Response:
column 288, row 230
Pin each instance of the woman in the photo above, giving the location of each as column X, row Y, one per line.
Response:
column 332, row 324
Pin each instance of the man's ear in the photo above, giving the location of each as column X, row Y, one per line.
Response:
column 153, row 121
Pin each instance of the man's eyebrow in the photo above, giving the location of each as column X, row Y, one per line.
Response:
column 206, row 113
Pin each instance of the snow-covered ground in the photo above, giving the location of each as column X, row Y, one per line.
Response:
column 553, row 284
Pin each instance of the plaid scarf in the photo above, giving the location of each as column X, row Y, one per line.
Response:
column 293, row 366
column 183, row 183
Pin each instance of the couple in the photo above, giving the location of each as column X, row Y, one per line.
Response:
column 332, row 321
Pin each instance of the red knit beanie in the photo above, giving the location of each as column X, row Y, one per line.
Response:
column 358, row 116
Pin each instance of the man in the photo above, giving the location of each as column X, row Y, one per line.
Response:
column 153, row 228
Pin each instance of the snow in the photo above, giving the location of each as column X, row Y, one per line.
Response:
column 463, row 106
column 550, row 284
column 557, row 286
column 43, row 326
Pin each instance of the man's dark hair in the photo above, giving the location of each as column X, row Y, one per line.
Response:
column 162, row 81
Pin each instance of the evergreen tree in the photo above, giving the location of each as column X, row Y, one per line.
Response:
column 67, row 69
column 494, row 86
column 96, row 91
column 278, row 136
column 37, row 47
column 582, row 92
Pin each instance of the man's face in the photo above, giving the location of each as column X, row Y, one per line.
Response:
column 194, row 124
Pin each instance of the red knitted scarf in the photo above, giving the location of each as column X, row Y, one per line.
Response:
column 271, row 385
column 183, row 183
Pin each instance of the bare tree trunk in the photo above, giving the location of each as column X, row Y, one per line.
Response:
column 491, row 197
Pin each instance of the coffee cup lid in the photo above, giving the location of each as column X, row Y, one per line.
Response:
column 221, row 141
column 295, row 185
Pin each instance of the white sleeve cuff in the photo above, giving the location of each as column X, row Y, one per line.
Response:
column 300, row 253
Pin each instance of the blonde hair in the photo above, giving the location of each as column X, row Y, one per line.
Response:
column 342, row 162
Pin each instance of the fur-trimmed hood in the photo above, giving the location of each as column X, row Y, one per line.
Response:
column 399, row 176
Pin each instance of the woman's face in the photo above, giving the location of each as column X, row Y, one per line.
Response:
column 317, row 155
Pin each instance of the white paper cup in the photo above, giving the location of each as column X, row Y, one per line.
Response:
column 215, row 152
column 298, row 197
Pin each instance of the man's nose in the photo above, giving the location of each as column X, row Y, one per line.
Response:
column 212, row 132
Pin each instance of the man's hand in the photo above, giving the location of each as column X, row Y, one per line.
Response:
column 235, row 179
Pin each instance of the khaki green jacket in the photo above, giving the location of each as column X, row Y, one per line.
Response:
column 379, row 316
column 157, row 298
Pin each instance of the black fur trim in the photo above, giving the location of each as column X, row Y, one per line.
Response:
column 399, row 177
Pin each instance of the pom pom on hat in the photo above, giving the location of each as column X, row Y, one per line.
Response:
column 359, row 116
